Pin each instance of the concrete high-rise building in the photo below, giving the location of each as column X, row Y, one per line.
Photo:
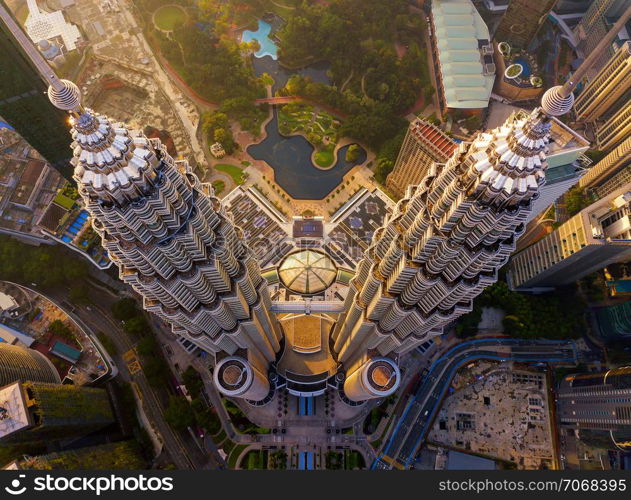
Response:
column 442, row 246
column 606, row 89
column 594, row 238
column 617, row 127
column 621, row 178
column 21, row 363
column 521, row 21
column 34, row 411
column 600, row 401
column 23, row 102
column 595, row 24
column 599, row 176
column 423, row 145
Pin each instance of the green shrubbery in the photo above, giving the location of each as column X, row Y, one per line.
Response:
column 556, row 315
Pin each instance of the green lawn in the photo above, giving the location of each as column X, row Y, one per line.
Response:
column 64, row 201
column 313, row 123
column 169, row 17
column 233, row 171
column 219, row 186
column 324, row 158
column 234, row 455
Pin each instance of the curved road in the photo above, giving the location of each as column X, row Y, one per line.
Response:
column 414, row 424
column 183, row 452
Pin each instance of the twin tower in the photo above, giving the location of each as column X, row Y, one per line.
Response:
column 179, row 250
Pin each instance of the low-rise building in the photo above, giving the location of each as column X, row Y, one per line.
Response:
column 463, row 56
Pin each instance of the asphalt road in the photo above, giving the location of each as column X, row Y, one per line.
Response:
column 415, row 421
column 181, row 448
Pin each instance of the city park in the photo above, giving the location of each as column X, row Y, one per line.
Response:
column 250, row 62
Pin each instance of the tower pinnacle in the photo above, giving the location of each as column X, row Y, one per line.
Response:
column 66, row 96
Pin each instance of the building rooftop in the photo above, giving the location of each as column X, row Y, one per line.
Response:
column 14, row 415
column 7, row 302
column 264, row 228
column 460, row 33
column 12, row 336
column 306, row 357
column 64, row 351
column 463, row 461
column 434, row 137
column 46, row 25
column 355, row 223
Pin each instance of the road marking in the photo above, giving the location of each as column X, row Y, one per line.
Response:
column 133, row 363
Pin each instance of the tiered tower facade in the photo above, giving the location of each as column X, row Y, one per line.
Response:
column 171, row 241
column 444, row 244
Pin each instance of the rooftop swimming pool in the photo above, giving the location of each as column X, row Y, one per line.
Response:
column 261, row 35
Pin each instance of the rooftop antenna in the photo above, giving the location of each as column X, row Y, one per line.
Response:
column 559, row 100
column 62, row 93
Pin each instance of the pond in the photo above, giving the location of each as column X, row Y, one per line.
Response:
column 290, row 157
column 525, row 63
column 261, row 35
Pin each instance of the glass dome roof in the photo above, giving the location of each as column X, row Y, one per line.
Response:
column 307, row 272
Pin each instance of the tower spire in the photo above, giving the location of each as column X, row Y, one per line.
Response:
column 560, row 99
column 62, row 93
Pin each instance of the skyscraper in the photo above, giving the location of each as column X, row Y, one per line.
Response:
column 23, row 102
column 31, row 411
column 609, row 85
column 618, row 125
column 21, row 363
column 621, row 178
column 442, row 246
column 174, row 245
column 594, row 238
column 521, row 21
column 600, row 401
column 595, row 24
column 423, row 145
column 605, row 169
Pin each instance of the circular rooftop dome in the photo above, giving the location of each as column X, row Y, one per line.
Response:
column 307, row 272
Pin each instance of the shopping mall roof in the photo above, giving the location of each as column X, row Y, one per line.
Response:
column 461, row 36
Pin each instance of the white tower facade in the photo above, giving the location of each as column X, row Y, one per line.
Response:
column 170, row 239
